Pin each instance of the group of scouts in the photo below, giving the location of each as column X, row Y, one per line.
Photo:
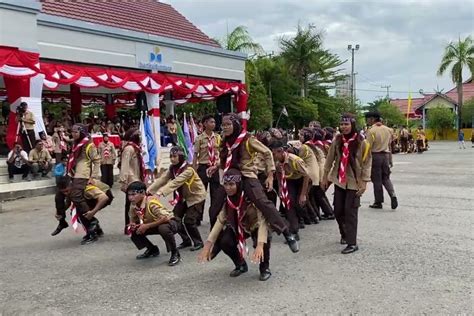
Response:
column 254, row 171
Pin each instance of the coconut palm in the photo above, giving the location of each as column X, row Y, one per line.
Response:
column 307, row 59
column 240, row 40
column 460, row 54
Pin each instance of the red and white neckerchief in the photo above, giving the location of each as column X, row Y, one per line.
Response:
column 211, row 144
column 106, row 151
column 74, row 154
column 138, row 152
column 76, row 224
column 236, row 144
column 284, row 195
column 177, row 196
column 240, row 213
column 345, row 158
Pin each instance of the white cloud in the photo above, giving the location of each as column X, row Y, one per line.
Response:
column 401, row 41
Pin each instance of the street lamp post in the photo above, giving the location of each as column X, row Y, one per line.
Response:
column 352, row 49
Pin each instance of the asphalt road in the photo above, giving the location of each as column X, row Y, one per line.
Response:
column 417, row 259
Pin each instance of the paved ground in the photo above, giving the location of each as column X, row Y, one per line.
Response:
column 417, row 259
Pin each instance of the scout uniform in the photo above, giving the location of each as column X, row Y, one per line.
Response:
column 85, row 165
column 225, row 232
column 206, row 153
column 291, row 173
column 379, row 138
column 346, row 202
column 149, row 211
column 262, row 177
column 108, row 154
column 190, row 194
column 420, row 140
column 317, row 195
column 29, row 136
column 130, row 171
column 92, row 193
column 59, row 144
column 40, row 161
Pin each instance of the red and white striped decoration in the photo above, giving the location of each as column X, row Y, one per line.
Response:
column 241, row 243
column 177, row 196
column 284, row 195
column 236, row 144
column 76, row 224
column 345, row 158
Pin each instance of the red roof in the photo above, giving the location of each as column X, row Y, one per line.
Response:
column 467, row 89
column 145, row 16
column 451, row 95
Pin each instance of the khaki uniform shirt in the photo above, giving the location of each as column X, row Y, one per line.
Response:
column 129, row 167
column 260, row 163
column 252, row 220
column 96, row 190
column 294, row 167
column 193, row 191
column 29, row 120
column 311, row 162
column 112, row 153
column 321, row 158
column 362, row 165
column 36, row 155
column 379, row 138
column 250, row 148
column 87, row 165
column 201, row 149
column 154, row 211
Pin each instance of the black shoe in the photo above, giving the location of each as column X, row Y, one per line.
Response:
column 292, row 242
column 343, row 241
column 100, row 232
column 315, row 220
column 175, row 258
column 61, row 226
column 197, row 247
column 350, row 249
column 394, row 201
column 265, row 275
column 239, row 270
column 301, row 225
column 88, row 239
column 307, row 221
column 297, row 237
column 185, row 244
column 376, row 205
column 328, row 217
column 150, row 252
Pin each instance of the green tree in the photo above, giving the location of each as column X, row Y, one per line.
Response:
column 307, row 60
column 374, row 105
column 440, row 120
column 391, row 114
column 240, row 40
column 468, row 112
column 260, row 109
column 302, row 111
column 460, row 55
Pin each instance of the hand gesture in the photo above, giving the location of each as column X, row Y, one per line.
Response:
column 210, row 171
column 142, row 229
column 258, row 256
column 89, row 215
column 324, row 183
column 269, row 183
column 362, row 188
column 302, row 199
column 205, row 254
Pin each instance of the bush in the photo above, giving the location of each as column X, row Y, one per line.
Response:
column 440, row 120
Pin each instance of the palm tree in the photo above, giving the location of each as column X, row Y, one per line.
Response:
column 460, row 54
column 240, row 40
column 307, row 59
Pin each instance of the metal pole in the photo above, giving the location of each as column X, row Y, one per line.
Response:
column 352, row 79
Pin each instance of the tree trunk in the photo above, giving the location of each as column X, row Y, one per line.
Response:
column 460, row 103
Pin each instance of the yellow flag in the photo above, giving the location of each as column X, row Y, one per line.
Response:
column 409, row 106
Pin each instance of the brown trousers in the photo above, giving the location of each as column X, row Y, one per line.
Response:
column 346, row 208
column 188, row 218
column 254, row 191
column 380, row 176
column 166, row 231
